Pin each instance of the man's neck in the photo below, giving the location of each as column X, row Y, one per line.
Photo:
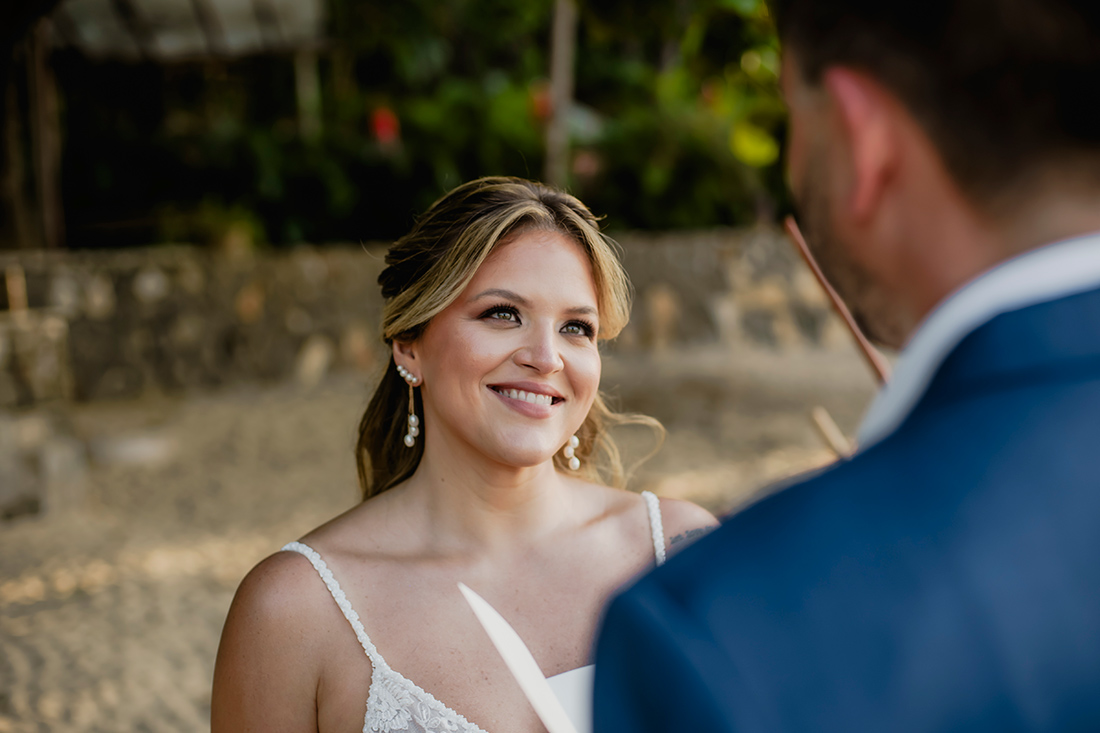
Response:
column 963, row 243
column 1060, row 217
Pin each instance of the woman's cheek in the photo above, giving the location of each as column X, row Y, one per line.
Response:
column 587, row 375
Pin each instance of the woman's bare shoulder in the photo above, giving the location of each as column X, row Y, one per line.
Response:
column 275, row 606
column 684, row 521
column 678, row 517
column 282, row 588
column 269, row 659
column 365, row 531
column 675, row 513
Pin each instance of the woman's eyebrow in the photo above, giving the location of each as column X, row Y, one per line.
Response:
column 501, row 293
column 579, row 310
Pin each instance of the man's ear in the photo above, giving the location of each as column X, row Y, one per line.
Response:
column 866, row 113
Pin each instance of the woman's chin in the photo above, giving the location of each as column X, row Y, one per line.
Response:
column 520, row 459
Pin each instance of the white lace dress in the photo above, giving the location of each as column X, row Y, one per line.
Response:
column 396, row 703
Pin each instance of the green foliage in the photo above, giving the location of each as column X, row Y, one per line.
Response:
column 678, row 121
column 694, row 136
column 211, row 222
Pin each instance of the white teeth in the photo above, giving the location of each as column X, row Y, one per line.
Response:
column 533, row 398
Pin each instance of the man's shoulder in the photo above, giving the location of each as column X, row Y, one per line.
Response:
column 946, row 479
column 794, row 536
column 811, row 514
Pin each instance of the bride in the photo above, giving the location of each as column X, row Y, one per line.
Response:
column 484, row 458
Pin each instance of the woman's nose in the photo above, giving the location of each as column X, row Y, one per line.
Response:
column 541, row 352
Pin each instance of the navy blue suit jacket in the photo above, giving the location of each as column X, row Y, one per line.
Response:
column 945, row 579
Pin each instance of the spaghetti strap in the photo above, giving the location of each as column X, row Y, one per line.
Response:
column 341, row 600
column 656, row 527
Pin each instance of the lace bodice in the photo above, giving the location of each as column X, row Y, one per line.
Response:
column 396, row 703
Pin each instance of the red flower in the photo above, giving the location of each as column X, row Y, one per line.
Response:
column 385, row 125
column 542, row 106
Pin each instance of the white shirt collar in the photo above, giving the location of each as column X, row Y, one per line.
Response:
column 1048, row 273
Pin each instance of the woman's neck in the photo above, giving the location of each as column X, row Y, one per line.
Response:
column 471, row 504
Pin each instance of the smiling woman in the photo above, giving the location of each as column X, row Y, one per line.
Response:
column 433, row 266
column 514, row 371
column 484, row 458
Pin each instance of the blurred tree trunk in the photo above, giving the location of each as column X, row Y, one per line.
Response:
column 45, row 117
column 16, row 230
column 563, row 39
column 307, row 87
column 671, row 48
column 16, row 18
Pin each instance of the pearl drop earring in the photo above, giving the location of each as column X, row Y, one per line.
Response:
column 414, row 421
column 571, row 453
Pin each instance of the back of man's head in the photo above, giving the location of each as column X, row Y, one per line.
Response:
column 1007, row 90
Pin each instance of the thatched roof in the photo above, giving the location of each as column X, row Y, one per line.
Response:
column 174, row 30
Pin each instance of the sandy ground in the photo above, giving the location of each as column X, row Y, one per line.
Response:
column 110, row 616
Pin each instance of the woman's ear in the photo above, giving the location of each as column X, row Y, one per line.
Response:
column 405, row 355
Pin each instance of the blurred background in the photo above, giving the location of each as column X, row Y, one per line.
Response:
column 134, row 122
column 195, row 199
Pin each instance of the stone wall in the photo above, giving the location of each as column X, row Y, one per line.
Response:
column 42, row 464
column 171, row 319
column 106, row 325
column 736, row 287
column 112, row 325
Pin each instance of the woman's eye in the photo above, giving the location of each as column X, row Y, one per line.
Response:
column 502, row 313
column 578, row 328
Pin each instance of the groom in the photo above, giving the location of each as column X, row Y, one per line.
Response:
column 946, row 160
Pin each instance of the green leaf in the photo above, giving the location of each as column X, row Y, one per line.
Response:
column 753, row 145
column 744, row 7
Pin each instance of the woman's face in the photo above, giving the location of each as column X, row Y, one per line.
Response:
column 510, row 369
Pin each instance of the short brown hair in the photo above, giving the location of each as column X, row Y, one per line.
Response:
column 1005, row 89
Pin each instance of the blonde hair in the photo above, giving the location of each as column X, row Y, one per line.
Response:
column 428, row 269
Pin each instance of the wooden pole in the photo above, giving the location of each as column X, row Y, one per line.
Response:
column 16, row 208
column 874, row 359
column 830, row 432
column 563, row 39
column 15, row 280
column 307, row 87
column 46, row 137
